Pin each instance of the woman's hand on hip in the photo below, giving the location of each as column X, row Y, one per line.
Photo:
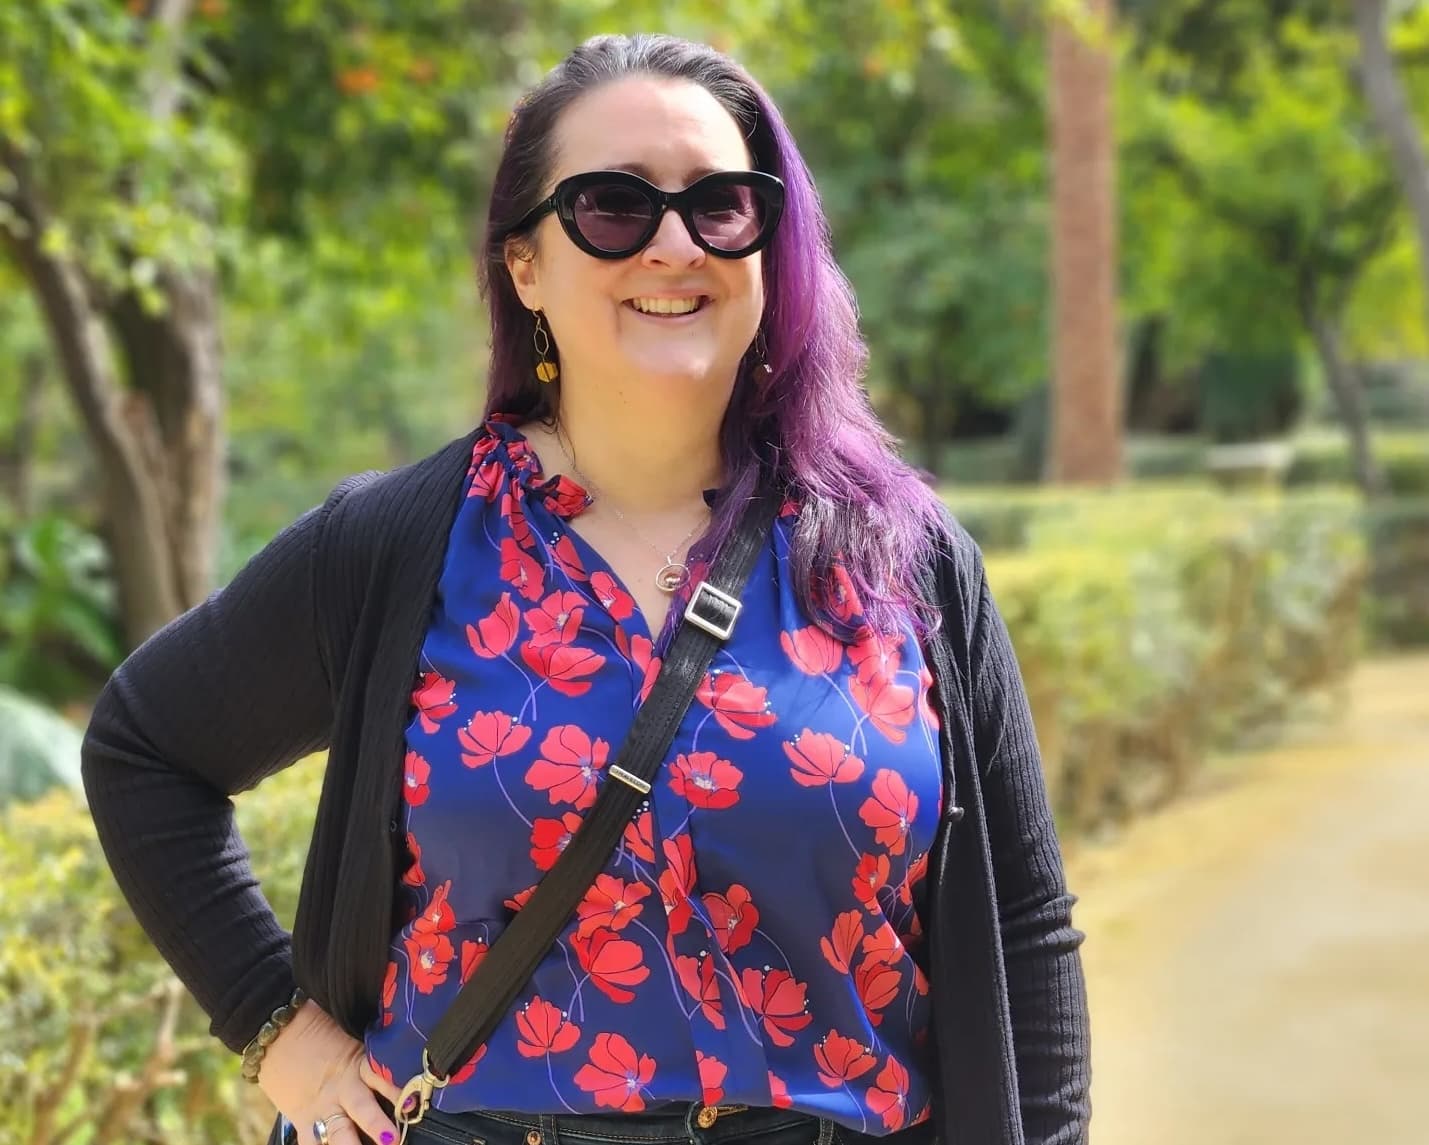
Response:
column 315, row 1070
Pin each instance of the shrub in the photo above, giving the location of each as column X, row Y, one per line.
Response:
column 1397, row 608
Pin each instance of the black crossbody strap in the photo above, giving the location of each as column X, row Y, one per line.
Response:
column 708, row 621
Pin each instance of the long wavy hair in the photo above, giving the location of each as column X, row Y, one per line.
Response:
column 808, row 429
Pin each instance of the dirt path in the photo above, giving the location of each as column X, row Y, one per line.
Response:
column 1258, row 956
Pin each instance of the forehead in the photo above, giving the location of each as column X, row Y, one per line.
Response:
column 668, row 131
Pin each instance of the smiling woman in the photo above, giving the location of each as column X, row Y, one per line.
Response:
column 674, row 737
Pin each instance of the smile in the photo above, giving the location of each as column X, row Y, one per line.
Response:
column 668, row 307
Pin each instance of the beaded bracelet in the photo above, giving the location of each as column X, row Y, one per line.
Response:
column 253, row 1052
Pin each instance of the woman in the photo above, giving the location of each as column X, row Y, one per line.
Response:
column 839, row 914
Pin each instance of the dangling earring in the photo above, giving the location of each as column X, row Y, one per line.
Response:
column 546, row 370
column 763, row 371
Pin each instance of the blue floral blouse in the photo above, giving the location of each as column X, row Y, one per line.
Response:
column 757, row 937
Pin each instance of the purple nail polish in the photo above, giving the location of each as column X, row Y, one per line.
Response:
column 387, row 1137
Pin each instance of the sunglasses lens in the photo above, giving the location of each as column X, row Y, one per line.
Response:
column 613, row 216
column 728, row 216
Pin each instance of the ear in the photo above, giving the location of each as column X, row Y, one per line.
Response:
column 521, row 265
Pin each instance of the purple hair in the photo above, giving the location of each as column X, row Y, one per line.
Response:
column 808, row 429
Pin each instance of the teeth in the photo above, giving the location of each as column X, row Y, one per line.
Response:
column 666, row 305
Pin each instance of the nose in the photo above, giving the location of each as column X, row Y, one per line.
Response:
column 673, row 246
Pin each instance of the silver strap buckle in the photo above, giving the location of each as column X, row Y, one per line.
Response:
column 713, row 610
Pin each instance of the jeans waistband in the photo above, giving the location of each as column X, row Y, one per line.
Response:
column 665, row 1125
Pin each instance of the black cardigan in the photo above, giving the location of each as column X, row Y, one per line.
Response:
column 315, row 644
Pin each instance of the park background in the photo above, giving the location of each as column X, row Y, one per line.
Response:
column 1145, row 290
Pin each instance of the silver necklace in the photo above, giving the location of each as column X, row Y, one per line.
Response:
column 675, row 573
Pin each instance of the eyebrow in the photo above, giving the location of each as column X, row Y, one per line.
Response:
column 638, row 168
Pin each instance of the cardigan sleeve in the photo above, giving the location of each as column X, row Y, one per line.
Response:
column 1046, row 989
column 228, row 693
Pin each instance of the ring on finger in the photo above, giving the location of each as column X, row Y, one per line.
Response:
column 322, row 1124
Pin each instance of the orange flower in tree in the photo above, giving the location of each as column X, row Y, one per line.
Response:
column 640, row 837
column 493, row 635
column 677, row 880
column 557, row 620
column 779, row 1000
column 542, row 1029
column 521, row 570
column 433, row 700
column 877, row 985
column 712, row 1075
column 569, row 560
column 619, row 603
column 613, row 963
column 733, row 916
column 778, row 1092
column 570, row 761
column 889, row 1096
column 890, row 706
column 414, row 875
column 839, row 947
column 812, row 650
column 428, row 956
column 416, row 771
column 616, row 1074
column 563, row 666
column 438, row 917
column 870, row 878
column 876, row 656
column 819, row 758
column 472, row 955
column 739, row 707
column 389, row 994
column 358, row 81
column 549, row 838
column 706, row 780
column 488, row 735
column 697, row 976
column 464, row 1074
column 841, row 1059
column 610, row 902
column 890, row 810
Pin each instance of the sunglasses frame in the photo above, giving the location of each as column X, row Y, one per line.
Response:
column 562, row 201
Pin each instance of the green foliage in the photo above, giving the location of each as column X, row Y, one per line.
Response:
column 39, row 749
column 1321, row 459
column 1398, row 606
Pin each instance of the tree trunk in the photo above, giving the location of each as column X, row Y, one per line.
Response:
column 1085, row 439
column 1390, row 109
column 20, row 464
column 1349, row 400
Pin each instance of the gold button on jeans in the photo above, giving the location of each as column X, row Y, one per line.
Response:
column 706, row 1117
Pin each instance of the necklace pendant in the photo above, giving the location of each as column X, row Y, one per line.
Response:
column 672, row 577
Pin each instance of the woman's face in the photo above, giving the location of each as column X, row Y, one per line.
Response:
column 669, row 133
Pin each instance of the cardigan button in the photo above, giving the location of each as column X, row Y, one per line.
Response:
column 956, row 813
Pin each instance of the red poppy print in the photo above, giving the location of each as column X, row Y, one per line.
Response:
column 883, row 945
column 836, row 593
column 677, row 880
column 428, row 956
column 733, row 916
column 890, row 810
column 890, row 706
column 820, row 758
column 543, row 1029
column 877, row 985
column 488, row 735
column 916, row 873
column 888, row 1098
column 841, row 1059
column 712, row 1075
column 779, row 1000
column 739, row 707
column 779, row 1092
column 925, row 699
column 564, row 497
column 389, row 993
column 613, row 964
column 619, row 603
column 648, row 664
column 416, row 771
column 414, row 876
column 549, row 838
column 563, row 666
column 639, row 837
column 610, row 902
column 615, row 1074
column 437, row 917
column 382, row 1071
column 493, row 635
column 870, row 878
column 519, row 900
column 521, row 570
column 566, row 556
column 433, row 700
column 557, row 620
column 876, row 656
column 839, row 947
column 812, row 650
column 472, row 956
column 485, row 480
column 466, row 1071
column 569, row 763
column 516, row 520
column 697, row 976
column 706, row 780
